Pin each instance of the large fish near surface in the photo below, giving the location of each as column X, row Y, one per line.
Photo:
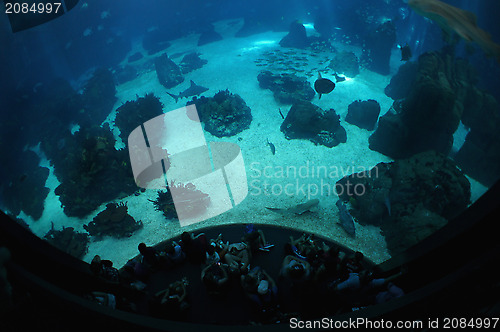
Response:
column 193, row 90
column 463, row 22
column 346, row 220
column 298, row 209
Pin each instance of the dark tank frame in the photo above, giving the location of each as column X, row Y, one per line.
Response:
column 451, row 273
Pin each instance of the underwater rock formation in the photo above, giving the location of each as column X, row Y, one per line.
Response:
column 91, row 170
column 134, row 113
column 23, row 187
column 296, row 37
column 169, row 74
column 400, row 85
column 345, row 63
column 397, row 195
column 208, row 35
column 225, row 114
column 191, row 62
column 124, row 74
column 308, row 121
column 427, row 118
column 69, row 241
column 363, row 114
column 98, row 96
column 135, row 57
column 113, row 221
column 155, row 41
column 286, row 88
column 378, row 46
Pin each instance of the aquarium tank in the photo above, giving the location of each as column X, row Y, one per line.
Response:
column 269, row 156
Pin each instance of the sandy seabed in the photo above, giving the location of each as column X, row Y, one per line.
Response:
column 231, row 66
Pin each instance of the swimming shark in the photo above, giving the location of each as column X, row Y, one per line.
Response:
column 193, row 90
column 346, row 220
column 297, row 209
column 463, row 22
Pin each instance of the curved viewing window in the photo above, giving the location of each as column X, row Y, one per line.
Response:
column 369, row 124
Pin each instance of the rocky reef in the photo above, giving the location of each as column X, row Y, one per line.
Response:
column 113, row 221
column 296, row 37
column 191, row 62
column 98, row 97
column 23, row 187
column 134, row 113
column 90, row 169
column 376, row 52
column 431, row 97
column 363, row 114
column 428, row 116
column 169, row 74
column 409, row 198
column 345, row 63
column 308, row 121
column 224, row 114
column 69, row 241
column 286, row 88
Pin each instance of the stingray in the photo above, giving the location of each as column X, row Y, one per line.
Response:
column 463, row 22
column 323, row 85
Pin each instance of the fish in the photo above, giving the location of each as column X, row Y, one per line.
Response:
column 346, row 220
column 323, row 85
column 273, row 148
column 387, row 203
column 279, row 110
column 405, row 52
column 298, row 209
column 463, row 22
column 193, row 90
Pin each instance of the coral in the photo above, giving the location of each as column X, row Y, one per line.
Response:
column 113, row 221
column 134, row 113
column 286, row 88
column 165, row 204
column 194, row 202
column 91, row 170
column 308, row 121
column 69, row 241
column 225, row 114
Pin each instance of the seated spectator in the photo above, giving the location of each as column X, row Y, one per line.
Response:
column 260, row 287
column 304, row 247
column 392, row 292
column 220, row 246
column 104, row 269
column 212, row 255
column 352, row 264
column 150, row 257
column 174, row 297
column 296, row 269
column 238, row 257
column 215, row 278
column 255, row 239
column 174, row 253
column 195, row 247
